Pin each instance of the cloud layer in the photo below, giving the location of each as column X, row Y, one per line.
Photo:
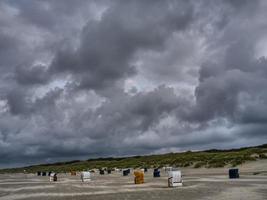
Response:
column 81, row 79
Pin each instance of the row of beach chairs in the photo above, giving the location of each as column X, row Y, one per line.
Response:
column 174, row 176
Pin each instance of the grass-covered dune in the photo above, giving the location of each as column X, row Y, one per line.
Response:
column 210, row 159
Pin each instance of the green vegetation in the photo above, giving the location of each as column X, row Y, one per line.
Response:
column 210, row 158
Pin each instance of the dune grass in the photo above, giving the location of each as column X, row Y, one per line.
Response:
column 209, row 159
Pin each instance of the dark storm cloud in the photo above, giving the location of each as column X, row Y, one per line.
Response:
column 31, row 76
column 7, row 42
column 138, row 112
column 47, row 14
column 84, row 79
column 223, row 84
column 19, row 102
column 101, row 129
column 108, row 46
column 9, row 48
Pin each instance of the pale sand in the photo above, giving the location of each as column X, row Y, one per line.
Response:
column 198, row 184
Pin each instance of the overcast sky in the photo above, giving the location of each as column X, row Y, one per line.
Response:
column 82, row 79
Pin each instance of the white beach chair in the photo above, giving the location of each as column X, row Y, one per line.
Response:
column 86, row 176
column 175, row 179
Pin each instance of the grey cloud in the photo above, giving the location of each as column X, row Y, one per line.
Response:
column 222, row 84
column 138, row 112
column 19, row 103
column 78, row 100
column 9, row 48
column 48, row 15
column 31, row 76
column 230, row 84
column 108, row 46
column 7, row 42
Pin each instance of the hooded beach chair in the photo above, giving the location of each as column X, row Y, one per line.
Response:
column 156, row 172
column 139, row 177
column 233, row 173
column 126, row 172
column 85, row 176
column 175, row 179
column 73, row 173
column 52, row 177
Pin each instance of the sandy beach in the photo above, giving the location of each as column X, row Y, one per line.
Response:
column 197, row 184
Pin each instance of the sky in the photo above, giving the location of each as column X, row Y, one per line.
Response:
column 85, row 79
